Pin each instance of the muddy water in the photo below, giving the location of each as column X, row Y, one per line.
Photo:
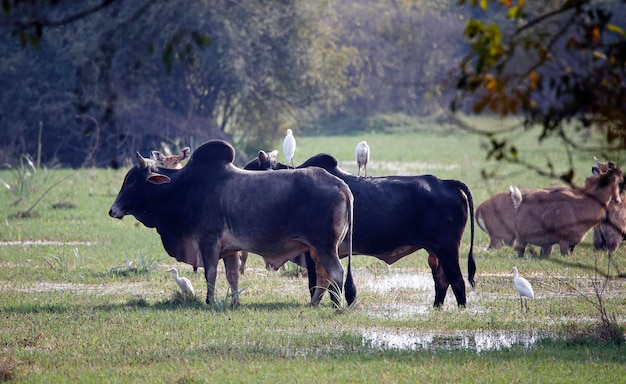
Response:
column 420, row 288
column 478, row 341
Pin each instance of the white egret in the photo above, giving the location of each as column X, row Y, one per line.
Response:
column 183, row 283
column 289, row 147
column 362, row 153
column 523, row 288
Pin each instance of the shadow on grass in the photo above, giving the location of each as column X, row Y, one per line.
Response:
column 176, row 302
column 595, row 269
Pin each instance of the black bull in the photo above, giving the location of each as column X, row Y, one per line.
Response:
column 211, row 209
column 396, row 215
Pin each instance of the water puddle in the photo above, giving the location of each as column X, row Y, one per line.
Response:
column 44, row 242
column 398, row 280
column 93, row 289
column 478, row 341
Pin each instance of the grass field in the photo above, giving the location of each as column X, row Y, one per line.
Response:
column 72, row 310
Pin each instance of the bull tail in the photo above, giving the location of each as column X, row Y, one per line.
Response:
column 471, row 263
column 349, row 287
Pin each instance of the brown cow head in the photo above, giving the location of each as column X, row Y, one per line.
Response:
column 172, row 161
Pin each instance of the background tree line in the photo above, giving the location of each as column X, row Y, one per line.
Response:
column 102, row 79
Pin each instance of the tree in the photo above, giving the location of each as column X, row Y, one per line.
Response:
column 139, row 73
column 556, row 65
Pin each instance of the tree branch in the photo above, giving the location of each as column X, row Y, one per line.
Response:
column 43, row 23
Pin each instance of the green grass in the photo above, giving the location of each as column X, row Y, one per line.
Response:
column 74, row 311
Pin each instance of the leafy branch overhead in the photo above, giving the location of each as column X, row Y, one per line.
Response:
column 552, row 66
column 28, row 20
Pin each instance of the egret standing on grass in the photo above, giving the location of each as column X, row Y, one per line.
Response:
column 523, row 288
column 183, row 283
column 289, row 147
column 362, row 156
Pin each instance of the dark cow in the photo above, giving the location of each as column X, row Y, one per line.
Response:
column 397, row 215
column 211, row 209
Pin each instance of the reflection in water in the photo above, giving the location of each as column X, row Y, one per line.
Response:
column 477, row 341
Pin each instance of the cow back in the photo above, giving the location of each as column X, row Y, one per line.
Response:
column 211, row 153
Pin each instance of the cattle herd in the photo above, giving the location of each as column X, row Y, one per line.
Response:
column 210, row 209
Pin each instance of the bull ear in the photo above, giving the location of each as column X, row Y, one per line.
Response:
column 185, row 153
column 157, row 178
column 595, row 171
column 274, row 153
column 156, row 155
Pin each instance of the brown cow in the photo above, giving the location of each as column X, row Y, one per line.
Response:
column 172, row 161
column 609, row 233
column 563, row 216
column 496, row 216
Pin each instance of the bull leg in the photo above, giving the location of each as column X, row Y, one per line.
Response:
column 448, row 273
column 242, row 261
column 563, row 247
column 231, row 264
column 334, row 269
column 311, row 273
column 210, row 274
column 520, row 247
column 441, row 283
column 210, row 257
column 321, row 281
column 547, row 250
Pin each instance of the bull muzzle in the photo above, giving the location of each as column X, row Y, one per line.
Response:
column 115, row 213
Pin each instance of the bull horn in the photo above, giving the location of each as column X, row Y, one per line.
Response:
column 141, row 162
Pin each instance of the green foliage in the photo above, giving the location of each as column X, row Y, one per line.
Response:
column 552, row 64
column 64, row 262
column 24, row 178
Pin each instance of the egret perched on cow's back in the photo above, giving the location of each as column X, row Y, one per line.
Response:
column 183, row 283
column 362, row 156
column 289, row 147
column 523, row 288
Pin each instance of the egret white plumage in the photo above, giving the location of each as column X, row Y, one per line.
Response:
column 362, row 153
column 289, row 147
column 523, row 288
column 183, row 283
